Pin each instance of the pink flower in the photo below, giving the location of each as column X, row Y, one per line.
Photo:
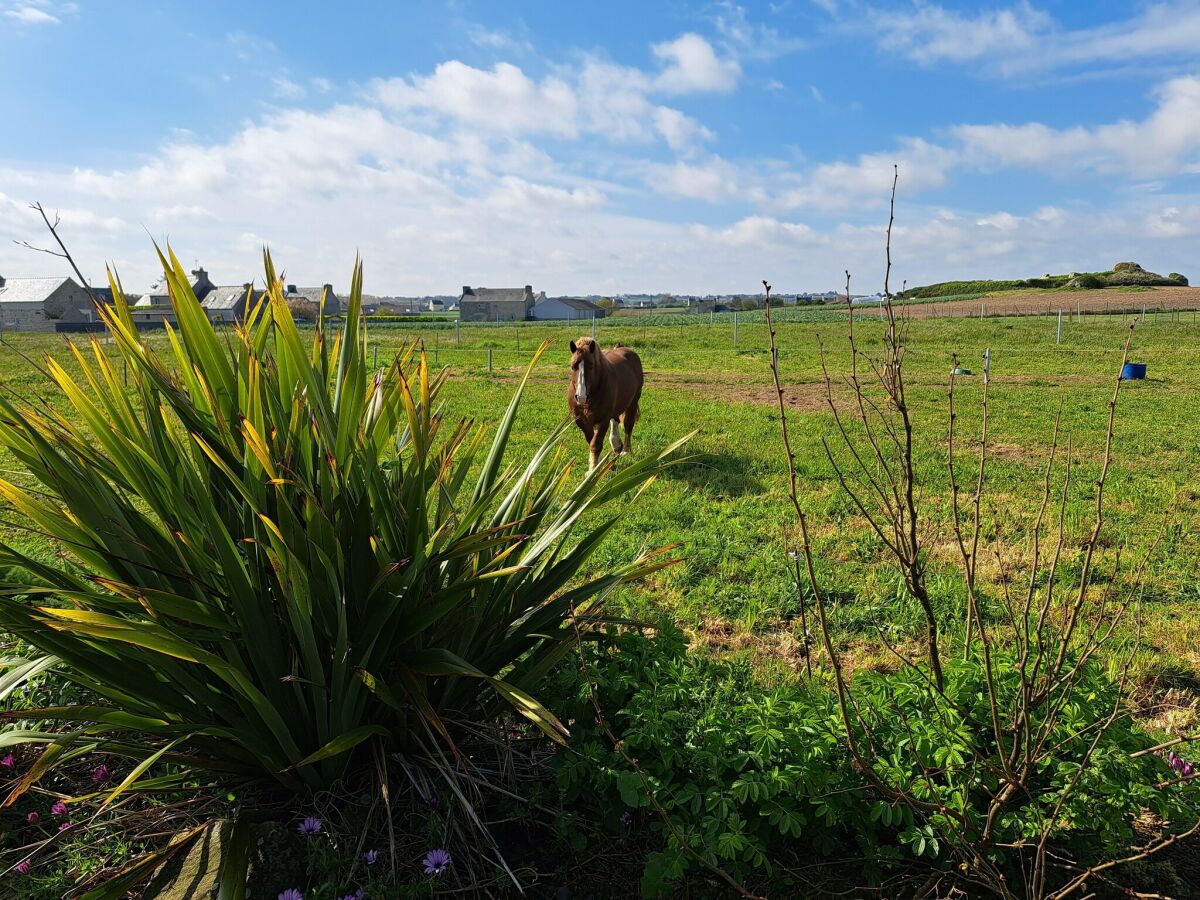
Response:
column 59, row 808
column 8, row 762
column 23, row 867
column 32, row 818
column 100, row 775
column 63, row 826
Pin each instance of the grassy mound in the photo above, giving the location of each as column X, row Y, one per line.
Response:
column 1121, row 275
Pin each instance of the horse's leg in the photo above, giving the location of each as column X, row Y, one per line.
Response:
column 597, row 445
column 629, row 419
column 615, row 437
column 589, row 434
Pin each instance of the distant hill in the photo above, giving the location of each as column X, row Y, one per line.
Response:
column 1123, row 274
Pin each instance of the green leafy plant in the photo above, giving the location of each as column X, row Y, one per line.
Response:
column 274, row 555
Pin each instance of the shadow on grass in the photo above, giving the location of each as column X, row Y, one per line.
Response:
column 721, row 475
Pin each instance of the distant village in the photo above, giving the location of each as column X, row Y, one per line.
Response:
column 61, row 304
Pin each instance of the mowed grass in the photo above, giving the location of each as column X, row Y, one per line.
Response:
column 727, row 508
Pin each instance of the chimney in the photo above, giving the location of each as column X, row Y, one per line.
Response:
column 291, row 289
column 529, row 288
column 1, row 281
column 466, row 289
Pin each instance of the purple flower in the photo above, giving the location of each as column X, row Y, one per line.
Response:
column 357, row 895
column 371, row 857
column 436, row 861
column 8, row 762
column 59, row 808
column 1188, row 769
column 32, row 818
column 291, row 894
column 23, row 867
column 311, row 825
column 100, row 774
column 63, row 826
column 627, row 818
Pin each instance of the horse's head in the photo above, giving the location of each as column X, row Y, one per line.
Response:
column 585, row 366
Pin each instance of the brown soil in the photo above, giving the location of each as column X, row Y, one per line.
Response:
column 1041, row 303
column 800, row 397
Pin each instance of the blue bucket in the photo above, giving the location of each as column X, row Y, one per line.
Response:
column 1133, row 372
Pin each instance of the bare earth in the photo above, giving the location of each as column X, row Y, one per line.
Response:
column 1041, row 303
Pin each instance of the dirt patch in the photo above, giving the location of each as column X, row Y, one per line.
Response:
column 799, row 397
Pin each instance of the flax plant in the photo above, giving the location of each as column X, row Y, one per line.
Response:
column 275, row 555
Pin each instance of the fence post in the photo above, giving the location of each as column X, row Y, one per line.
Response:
column 1058, row 340
column 735, row 328
column 489, row 360
column 710, row 317
column 593, row 326
column 375, row 358
column 1143, row 312
column 457, row 335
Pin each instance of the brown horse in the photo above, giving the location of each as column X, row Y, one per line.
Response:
column 605, row 388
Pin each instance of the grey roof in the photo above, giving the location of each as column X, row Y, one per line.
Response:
column 228, row 296
column 494, row 295
column 577, row 303
column 30, row 290
column 312, row 294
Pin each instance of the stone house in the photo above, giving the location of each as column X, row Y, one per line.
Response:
column 39, row 304
column 496, row 304
column 230, row 303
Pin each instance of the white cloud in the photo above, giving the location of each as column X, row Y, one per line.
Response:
column 841, row 185
column 31, row 15
column 502, row 99
column 714, row 181
column 752, row 40
column 1022, row 39
column 929, row 33
column 286, row 89
column 693, row 66
column 497, row 39
column 681, row 132
column 1165, row 143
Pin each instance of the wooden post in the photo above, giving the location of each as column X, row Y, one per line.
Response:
column 1058, row 340
column 489, row 360
column 735, row 328
column 457, row 334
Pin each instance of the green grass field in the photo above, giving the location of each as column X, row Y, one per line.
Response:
column 726, row 506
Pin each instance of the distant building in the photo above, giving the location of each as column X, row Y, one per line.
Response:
column 314, row 295
column 566, row 308
column 38, row 304
column 160, row 295
column 229, row 303
column 496, row 304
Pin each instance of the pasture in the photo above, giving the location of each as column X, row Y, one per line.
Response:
column 734, row 591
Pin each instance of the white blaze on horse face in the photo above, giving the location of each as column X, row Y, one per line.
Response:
column 581, row 383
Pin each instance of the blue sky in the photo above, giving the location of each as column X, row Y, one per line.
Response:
column 686, row 146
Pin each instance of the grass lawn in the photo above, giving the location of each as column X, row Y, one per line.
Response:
column 726, row 506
